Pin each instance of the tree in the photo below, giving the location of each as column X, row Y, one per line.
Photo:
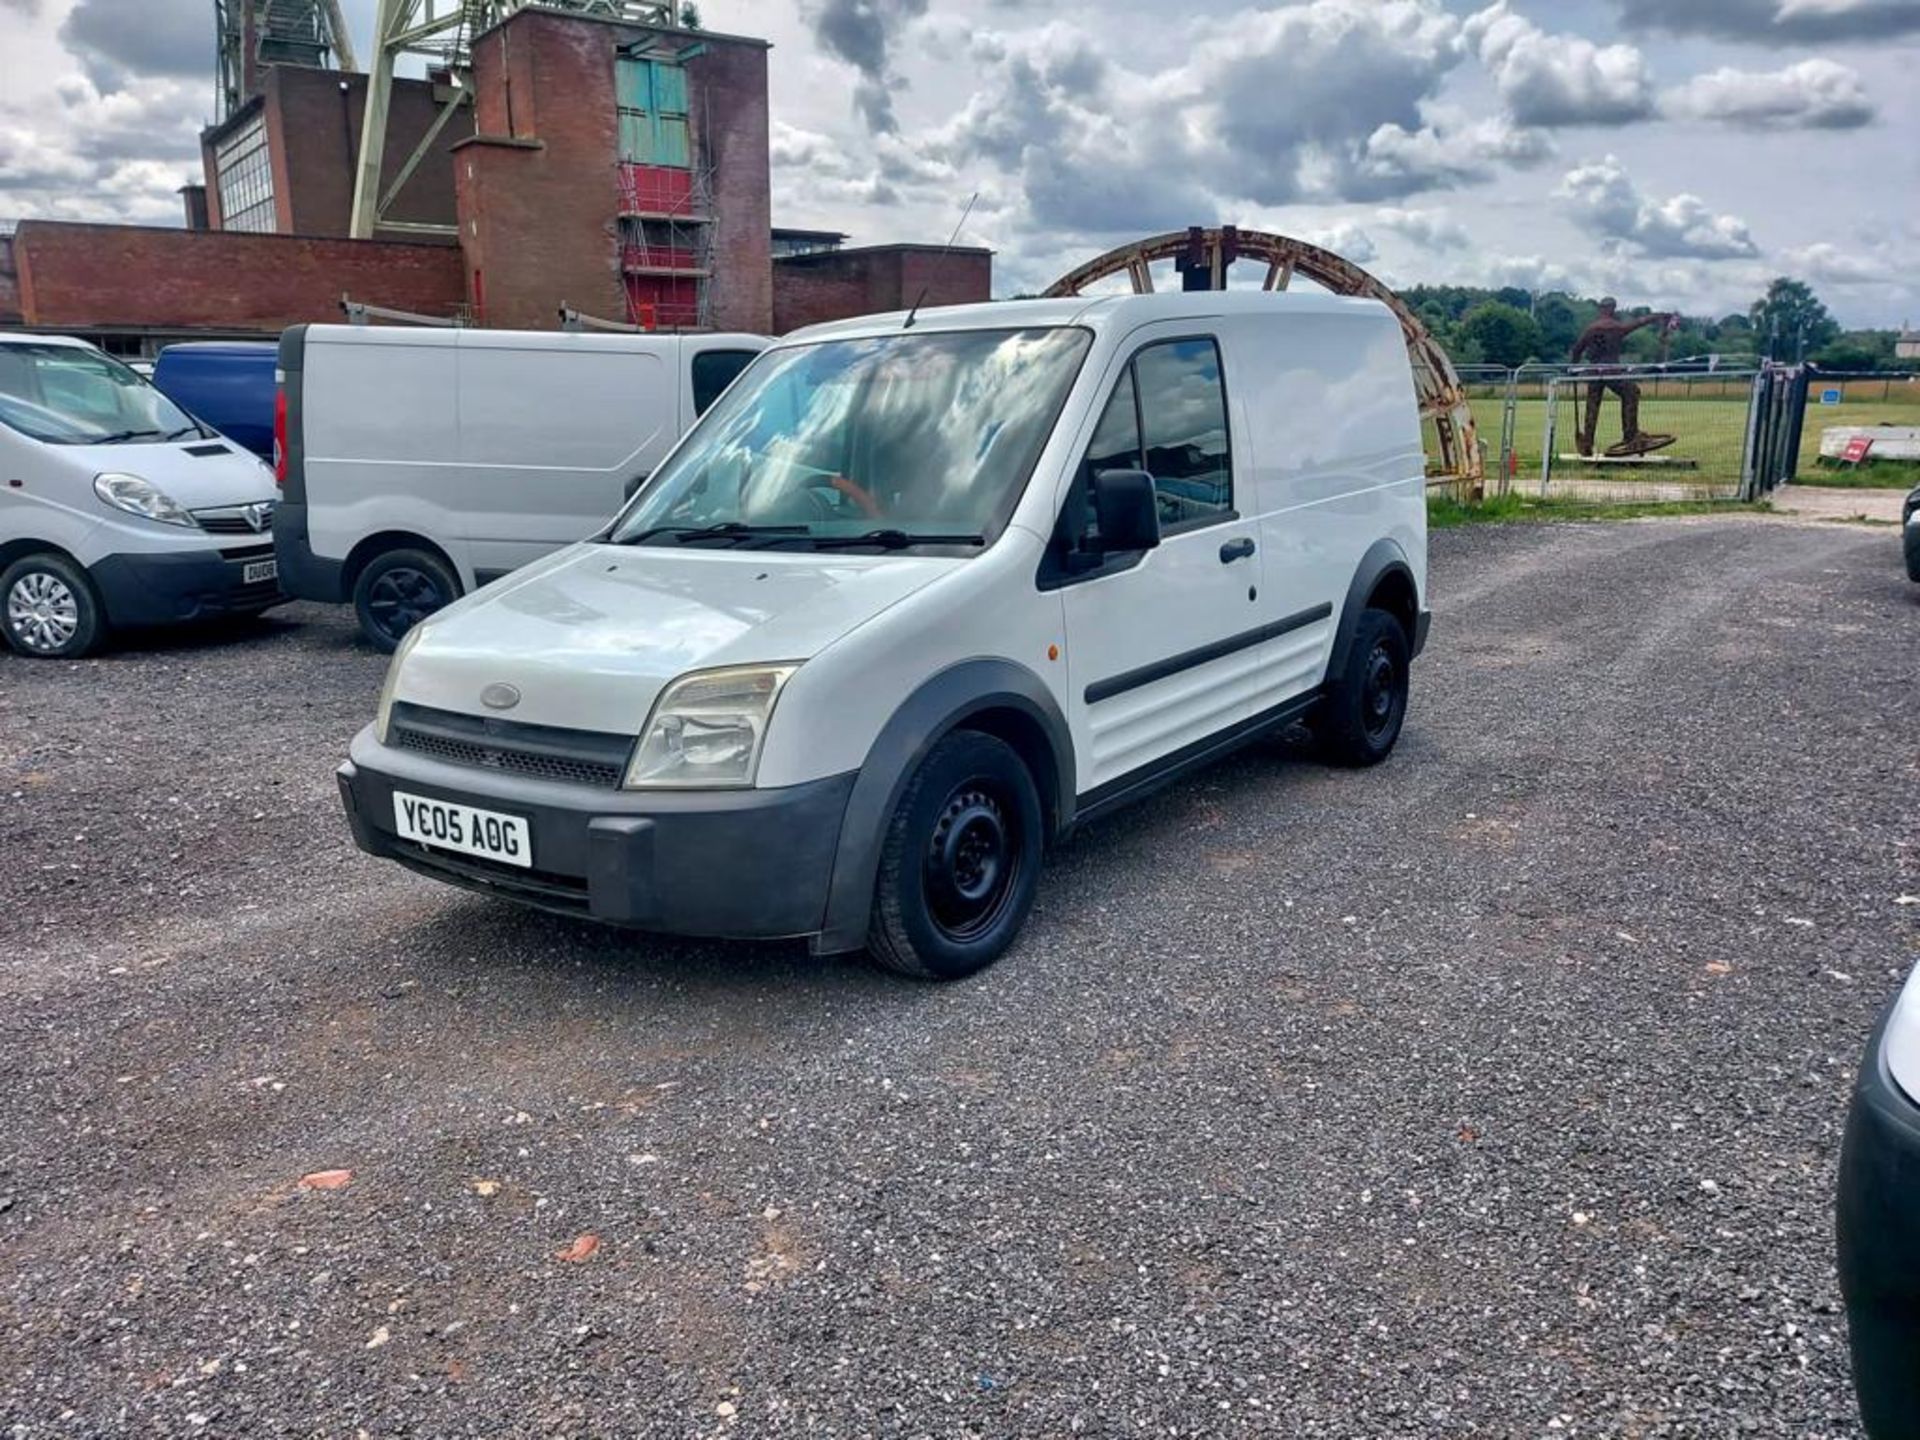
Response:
column 1560, row 320
column 1503, row 334
column 1789, row 321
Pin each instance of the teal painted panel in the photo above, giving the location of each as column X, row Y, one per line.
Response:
column 633, row 84
column 669, row 89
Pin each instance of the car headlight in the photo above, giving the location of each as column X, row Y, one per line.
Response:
column 1901, row 1042
column 706, row 729
column 385, row 713
column 140, row 497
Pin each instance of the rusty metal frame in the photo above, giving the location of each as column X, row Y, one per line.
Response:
column 1443, row 400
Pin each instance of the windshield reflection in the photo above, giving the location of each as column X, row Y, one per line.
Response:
column 887, row 441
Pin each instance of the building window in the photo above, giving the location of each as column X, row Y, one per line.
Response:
column 244, row 171
column 652, row 96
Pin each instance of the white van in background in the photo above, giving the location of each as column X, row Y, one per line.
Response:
column 921, row 595
column 118, row 509
column 417, row 465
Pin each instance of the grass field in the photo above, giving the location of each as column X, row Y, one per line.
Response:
column 1444, row 513
column 1710, row 419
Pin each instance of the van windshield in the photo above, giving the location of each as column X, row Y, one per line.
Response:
column 885, row 441
column 66, row 395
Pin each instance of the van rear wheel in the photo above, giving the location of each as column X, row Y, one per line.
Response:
column 960, row 861
column 1360, row 718
column 398, row 589
column 49, row 610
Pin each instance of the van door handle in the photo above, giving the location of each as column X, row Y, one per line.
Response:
column 1236, row 550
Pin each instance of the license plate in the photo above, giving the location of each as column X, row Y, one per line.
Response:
column 447, row 826
column 260, row 570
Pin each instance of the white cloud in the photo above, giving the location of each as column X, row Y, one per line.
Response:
column 1347, row 240
column 1829, row 264
column 1396, row 162
column 1813, row 94
column 1612, row 206
column 1430, row 229
column 1559, row 79
column 80, row 154
column 1775, row 22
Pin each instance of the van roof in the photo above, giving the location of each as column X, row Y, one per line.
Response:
column 1097, row 312
column 480, row 338
column 20, row 337
column 223, row 347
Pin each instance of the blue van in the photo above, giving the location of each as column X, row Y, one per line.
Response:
column 228, row 384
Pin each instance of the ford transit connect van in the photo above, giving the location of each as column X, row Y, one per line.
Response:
column 118, row 509
column 918, row 597
column 420, row 464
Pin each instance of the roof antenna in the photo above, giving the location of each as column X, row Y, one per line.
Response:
column 907, row 324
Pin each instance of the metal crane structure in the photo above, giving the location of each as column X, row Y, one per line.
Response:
column 1201, row 258
column 441, row 32
column 253, row 34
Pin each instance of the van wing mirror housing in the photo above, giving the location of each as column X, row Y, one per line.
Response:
column 1126, row 509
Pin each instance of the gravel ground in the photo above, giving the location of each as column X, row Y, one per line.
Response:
column 1493, row 1092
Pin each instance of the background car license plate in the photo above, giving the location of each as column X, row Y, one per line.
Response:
column 260, row 570
column 447, row 826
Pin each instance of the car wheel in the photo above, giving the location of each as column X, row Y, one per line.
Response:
column 399, row 589
column 960, row 861
column 49, row 609
column 1359, row 721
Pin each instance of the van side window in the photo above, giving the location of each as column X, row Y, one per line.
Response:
column 712, row 371
column 1183, row 414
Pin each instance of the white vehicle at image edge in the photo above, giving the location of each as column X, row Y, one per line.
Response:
column 915, row 599
column 418, row 465
column 118, row 510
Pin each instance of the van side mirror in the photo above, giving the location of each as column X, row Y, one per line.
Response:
column 1126, row 509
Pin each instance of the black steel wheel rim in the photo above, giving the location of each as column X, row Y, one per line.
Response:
column 1378, row 694
column 972, row 861
column 401, row 598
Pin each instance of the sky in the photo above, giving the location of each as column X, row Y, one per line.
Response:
column 1677, row 153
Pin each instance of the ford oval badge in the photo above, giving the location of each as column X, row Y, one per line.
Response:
column 499, row 697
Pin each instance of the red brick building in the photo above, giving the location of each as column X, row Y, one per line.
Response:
column 614, row 168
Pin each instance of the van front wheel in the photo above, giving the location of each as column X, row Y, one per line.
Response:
column 960, row 861
column 1360, row 718
column 49, row 610
column 398, row 589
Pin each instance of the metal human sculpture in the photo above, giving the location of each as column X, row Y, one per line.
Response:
column 1602, row 345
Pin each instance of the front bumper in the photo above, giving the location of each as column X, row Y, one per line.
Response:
column 743, row 864
column 1879, row 1239
column 171, row 587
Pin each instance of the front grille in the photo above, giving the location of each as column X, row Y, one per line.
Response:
column 542, row 752
column 237, row 519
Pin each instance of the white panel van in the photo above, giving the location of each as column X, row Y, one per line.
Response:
column 118, row 509
column 917, row 598
column 418, row 465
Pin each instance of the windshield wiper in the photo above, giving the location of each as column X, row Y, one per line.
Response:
column 893, row 540
column 119, row 437
column 185, row 430
column 725, row 530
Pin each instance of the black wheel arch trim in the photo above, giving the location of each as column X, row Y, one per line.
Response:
column 1383, row 558
column 940, row 705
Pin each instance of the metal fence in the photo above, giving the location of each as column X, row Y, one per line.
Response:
column 1702, row 430
column 1881, row 408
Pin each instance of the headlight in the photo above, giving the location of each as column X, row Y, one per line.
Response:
column 1901, row 1043
column 407, row 642
column 706, row 728
column 140, row 497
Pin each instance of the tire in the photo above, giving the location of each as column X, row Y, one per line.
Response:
column 396, row 590
column 49, row 610
column 960, row 861
column 1359, row 721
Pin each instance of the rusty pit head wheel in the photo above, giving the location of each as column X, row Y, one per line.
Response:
column 1202, row 258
